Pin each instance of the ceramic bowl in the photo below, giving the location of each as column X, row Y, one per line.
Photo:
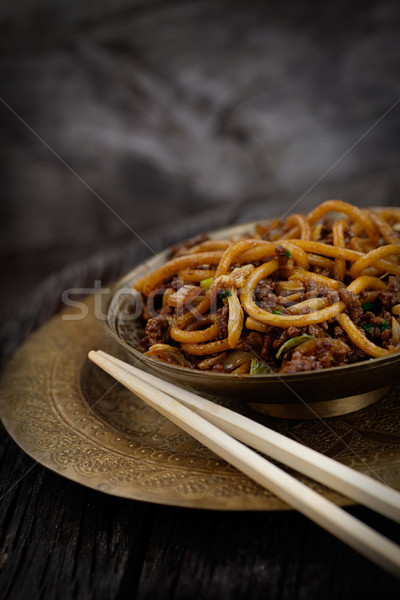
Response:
column 312, row 394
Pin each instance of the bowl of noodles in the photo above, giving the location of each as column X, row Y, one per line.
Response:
column 298, row 317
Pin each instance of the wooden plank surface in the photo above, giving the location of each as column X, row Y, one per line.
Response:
column 61, row 540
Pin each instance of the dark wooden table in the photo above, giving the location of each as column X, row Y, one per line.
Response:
column 179, row 117
column 61, row 540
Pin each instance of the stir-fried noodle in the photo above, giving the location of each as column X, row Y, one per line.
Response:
column 309, row 292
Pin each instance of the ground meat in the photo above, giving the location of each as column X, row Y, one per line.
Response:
column 264, row 288
column 175, row 283
column 264, row 295
column 222, row 321
column 315, row 331
column 324, row 361
column 283, row 255
column 376, row 320
column 266, row 347
column 322, row 346
column 314, row 290
column 339, row 351
column 349, row 298
column 156, row 328
column 391, row 296
column 326, row 230
column 281, row 339
column 347, row 234
column 253, row 341
column 355, row 354
column 332, row 296
column 368, row 296
column 293, row 331
column 368, row 316
column 356, row 314
column 304, row 363
column 325, row 353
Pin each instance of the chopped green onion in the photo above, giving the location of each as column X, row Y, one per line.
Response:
column 287, row 253
column 225, row 294
column 368, row 327
column 206, row 283
column 367, row 306
column 293, row 342
column 258, row 367
column 276, row 311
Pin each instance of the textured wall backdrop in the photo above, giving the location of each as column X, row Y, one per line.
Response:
column 168, row 109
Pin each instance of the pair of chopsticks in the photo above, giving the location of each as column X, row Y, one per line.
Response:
column 230, row 434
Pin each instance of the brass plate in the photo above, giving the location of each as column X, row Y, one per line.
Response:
column 74, row 419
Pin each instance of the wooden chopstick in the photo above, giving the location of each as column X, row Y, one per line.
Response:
column 353, row 484
column 350, row 530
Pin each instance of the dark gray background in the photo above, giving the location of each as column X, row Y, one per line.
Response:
column 168, row 110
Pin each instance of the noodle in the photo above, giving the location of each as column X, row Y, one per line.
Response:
column 304, row 293
column 339, row 269
column 373, row 257
column 302, row 223
column 148, row 283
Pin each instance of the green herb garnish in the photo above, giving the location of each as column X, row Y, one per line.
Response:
column 206, row 283
column 367, row 306
column 276, row 311
column 257, row 367
column 293, row 342
column 225, row 294
column 368, row 327
column 287, row 253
